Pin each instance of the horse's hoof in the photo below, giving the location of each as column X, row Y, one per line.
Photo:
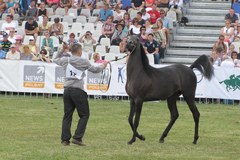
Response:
column 161, row 141
column 195, row 140
column 142, row 138
column 131, row 142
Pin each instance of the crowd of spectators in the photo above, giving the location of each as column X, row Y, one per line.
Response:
column 225, row 50
column 119, row 18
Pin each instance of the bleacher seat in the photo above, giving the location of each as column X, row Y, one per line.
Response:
column 172, row 15
column 95, row 12
column 65, row 26
column 85, row 12
column 60, row 11
column 81, row 19
column 89, row 27
column 20, row 31
column 114, row 49
column 77, row 26
column 73, row 11
column 237, row 46
column 92, row 19
column 55, row 16
column 55, row 42
column 101, row 49
column 50, row 11
column 26, row 39
column 99, row 26
column 96, row 34
column 68, row 19
column 106, row 42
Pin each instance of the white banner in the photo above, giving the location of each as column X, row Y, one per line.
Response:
column 40, row 77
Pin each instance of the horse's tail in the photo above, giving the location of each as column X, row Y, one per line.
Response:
column 204, row 65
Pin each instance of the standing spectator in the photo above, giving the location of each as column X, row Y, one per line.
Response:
column 42, row 11
column 31, row 27
column 118, row 14
column 47, row 43
column 6, row 44
column 135, row 27
column 89, row 4
column 9, row 24
column 104, row 13
column 53, row 4
column 154, row 14
column 232, row 16
column 137, row 5
column 152, row 47
column 56, row 28
column 118, row 35
column 228, row 32
column 141, row 21
column 162, row 42
column 71, row 41
column 176, row 6
column 107, row 29
column 32, row 45
column 26, row 54
column 88, row 41
column 2, row 53
column 66, row 4
column 145, row 15
column 32, row 10
column 74, row 94
column 13, row 54
column 44, row 26
column 163, row 4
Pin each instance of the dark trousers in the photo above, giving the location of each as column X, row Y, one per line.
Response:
column 74, row 98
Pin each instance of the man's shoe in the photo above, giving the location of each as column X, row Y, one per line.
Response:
column 80, row 143
column 65, row 143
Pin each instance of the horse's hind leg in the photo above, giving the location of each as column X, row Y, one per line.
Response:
column 174, row 115
column 196, row 115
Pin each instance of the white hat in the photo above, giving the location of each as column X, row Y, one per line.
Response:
column 31, row 38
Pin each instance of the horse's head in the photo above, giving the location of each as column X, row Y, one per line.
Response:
column 132, row 43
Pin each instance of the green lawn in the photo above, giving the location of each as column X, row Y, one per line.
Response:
column 30, row 129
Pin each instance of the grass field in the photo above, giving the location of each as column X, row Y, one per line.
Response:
column 30, row 130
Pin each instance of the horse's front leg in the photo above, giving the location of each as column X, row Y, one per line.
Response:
column 130, row 119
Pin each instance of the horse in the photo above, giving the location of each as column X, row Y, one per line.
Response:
column 146, row 83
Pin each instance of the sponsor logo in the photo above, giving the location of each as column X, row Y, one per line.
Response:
column 98, row 81
column 59, row 78
column 233, row 83
column 34, row 76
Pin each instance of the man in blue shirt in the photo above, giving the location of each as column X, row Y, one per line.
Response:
column 104, row 13
column 152, row 47
column 2, row 53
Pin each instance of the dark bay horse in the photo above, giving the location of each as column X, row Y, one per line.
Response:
column 146, row 83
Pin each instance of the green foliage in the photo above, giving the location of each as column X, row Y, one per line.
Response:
column 30, row 129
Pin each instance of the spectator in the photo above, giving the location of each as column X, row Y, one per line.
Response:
column 176, row 6
column 148, row 26
column 118, row 35
column 11, row 36
column 145, row 15
column 66, row 4
column 32, row 45
column 163, row 4
column 122, row 45
column 2, row 53
column 152, row 47
column 236, row 33
column 143, row 36
column 19, row 43
column 228, row 32
column 141, row 21
column 64, row 52
column 71, row 41
column 31, row 27
column 9, row 24
column 104, row 13
column 24, row 5
column 232, row 16
column 32, row 10
column 126, row 4
column 135, row 27
column 148, row 4
column 56, row 28
column 112, row 3
column 154, row 14
column 44, row 26
column 42, row 57
column 118, row 14
column 42, row 11
column 6, row 44
column 166, row 24
column 2, row 7
column 26, row 54
column 53, row 4
column 125, row 28
column 89, row 4
column 235, row 60
column 9, row 4
column 15, row 10
column 231, row 49
column 127, row 19
column 13, row 54
column 47, row 43
column 97, row 59
column 99, row 4
column 220, row 44
column 137, row 5
column 214, row 59
column 107, row 29
column 77, row 4
column 88, row 42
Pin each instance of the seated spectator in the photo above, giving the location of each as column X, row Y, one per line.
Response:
column 145, row 15
column 13, row 54
column 42, row 57
column 227, row 61
column 89, row 4
column 154, row 14
column 126, row 4
column 214, row 59
column 66, row 4
column 42, row 11
column 56, row 28
column 176, row 6
column 127, row 19
column 148, row 26
column 2, row 7
column 152, row 47
column 125, row 28
column 9, row 4
column 166, row 24
column 53, row 4
column 112, row 3
column 9, row 24
column 6, row 44
column 88, row 41
column 18, row 43
column 135, row 27
column 148, row 4
column 118, row 14
column 2, row 53
column 118, row 35
column 99, row 4
column 143, row 36
column 104, row 13
column 64, row 51
column 32, row 45
column 232, row 16
column 31, row 27
column 122, row 45
column 231, row 49
column 44, row 26
column 26, row 54
column 162, row 4
column 107, row 29
column 47, row 43
column 228, row 32
column 220, row 46
column 141, row 21
column 77, row 4
column 12, row 37
column 137, row 5
column 71, row 41
column 235, row 59
column 97, row 58
column 32, row 10
column 15, row 10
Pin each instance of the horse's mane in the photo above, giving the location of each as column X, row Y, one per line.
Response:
column 145, row 60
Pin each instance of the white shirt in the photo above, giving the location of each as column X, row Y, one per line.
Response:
column 146, row 16
column 6, row 26
column 134, row 29
column 15, row 56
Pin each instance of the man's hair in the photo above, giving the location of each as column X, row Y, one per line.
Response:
column 75, row 48
column 10, row 16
